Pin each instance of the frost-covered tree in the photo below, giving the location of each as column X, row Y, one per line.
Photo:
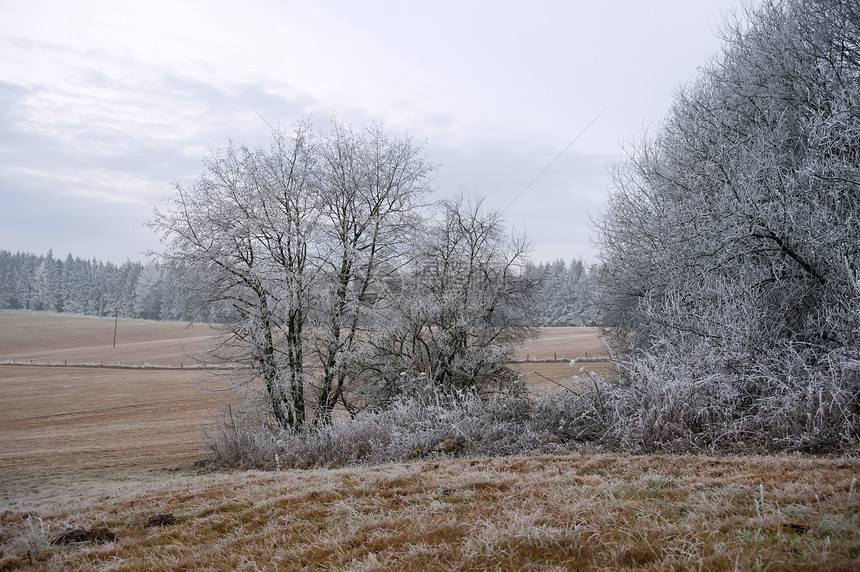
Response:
column 730, row 244
column 7, row 280
column 462, row 304
column 289, row 242
column 76, row 285
column 232, row 235
column 47, row 285
column 565, row 295
column 149, row 292
column 370, row 186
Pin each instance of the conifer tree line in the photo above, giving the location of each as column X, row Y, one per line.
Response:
column 149, row 291
column 565, row 295
column 91, row 287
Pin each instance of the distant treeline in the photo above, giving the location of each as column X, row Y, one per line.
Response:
column 566, row 296
column 91, row 287
column 152, row 291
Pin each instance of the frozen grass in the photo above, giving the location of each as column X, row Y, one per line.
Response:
column 643, row 414
column 672, row 406
column 411, row 428
column 572, row 512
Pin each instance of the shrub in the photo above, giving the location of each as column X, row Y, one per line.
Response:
column 653, row 406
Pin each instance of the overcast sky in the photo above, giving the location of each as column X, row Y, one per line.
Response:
column 104, row 103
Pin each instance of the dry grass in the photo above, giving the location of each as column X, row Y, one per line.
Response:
column 577, row 512
column 89, row 448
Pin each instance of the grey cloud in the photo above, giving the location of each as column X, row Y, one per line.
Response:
column 554, row 211
column 103, row 152
column 44, row 171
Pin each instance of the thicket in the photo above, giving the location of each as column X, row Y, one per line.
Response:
column 730, row 245
column 593, row 415
column 423, row 422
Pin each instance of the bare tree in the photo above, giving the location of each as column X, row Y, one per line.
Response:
column 462, row 303
column 370, row 189
column 241, row 234
column 292, row 243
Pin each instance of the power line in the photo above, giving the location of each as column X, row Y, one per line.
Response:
column 557, row 157
column 263, row 119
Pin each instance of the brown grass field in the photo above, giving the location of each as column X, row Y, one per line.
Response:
column 85, row 446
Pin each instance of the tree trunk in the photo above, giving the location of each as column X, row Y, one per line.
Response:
column 270, row 370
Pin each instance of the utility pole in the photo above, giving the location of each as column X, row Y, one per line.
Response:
column 115, row 321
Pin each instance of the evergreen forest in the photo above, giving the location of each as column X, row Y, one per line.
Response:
column 151, row 290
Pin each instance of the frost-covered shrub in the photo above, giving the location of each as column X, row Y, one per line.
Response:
column 414, row 426
column 652, row 407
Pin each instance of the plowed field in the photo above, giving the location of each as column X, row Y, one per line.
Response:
column 77, row 407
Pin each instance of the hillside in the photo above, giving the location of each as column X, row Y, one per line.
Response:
column 49, row 338
column 90, row 448
column 573, row 512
